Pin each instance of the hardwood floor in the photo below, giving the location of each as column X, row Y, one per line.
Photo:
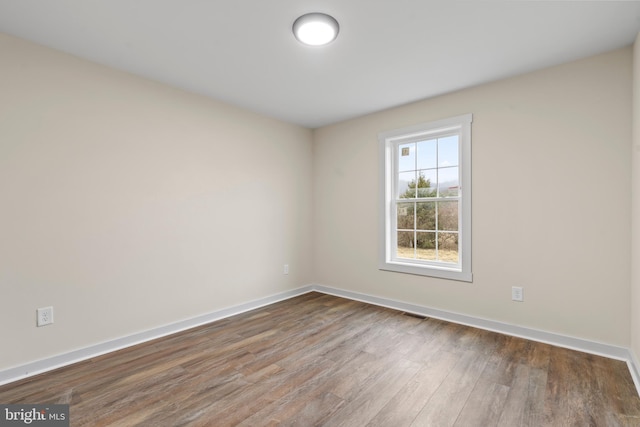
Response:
column 322, row 360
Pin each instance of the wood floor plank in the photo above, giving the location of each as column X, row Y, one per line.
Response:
column 322, row 360
column 484, row 405
column 351, row 383
column 313, row 412
column 403, row 408
column 366, row 405
column 517, row 399
column 271, row 390
column 298, row 403
column 445, row 406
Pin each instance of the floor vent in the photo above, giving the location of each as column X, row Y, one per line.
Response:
column 417, row 316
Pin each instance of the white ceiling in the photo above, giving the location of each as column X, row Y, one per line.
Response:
column 388, row 52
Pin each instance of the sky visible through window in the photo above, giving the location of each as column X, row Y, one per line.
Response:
column 435, row 159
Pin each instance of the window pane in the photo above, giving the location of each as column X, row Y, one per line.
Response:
column 426, row 216
column 406, row 216
column 448, row 183
column 448, row 247
column 448, row 216
column 426, row 246
column 427, row 154
column 405, row 247
column 448, row 151
column 406, row 157
column 427, row 180
column 407, row 185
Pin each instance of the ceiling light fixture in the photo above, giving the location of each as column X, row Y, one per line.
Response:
column 316, row 29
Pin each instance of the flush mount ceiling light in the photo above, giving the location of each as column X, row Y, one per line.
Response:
column 315, row 29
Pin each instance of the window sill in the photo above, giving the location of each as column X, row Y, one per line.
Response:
column 430, row 271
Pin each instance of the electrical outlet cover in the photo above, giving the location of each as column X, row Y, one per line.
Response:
column 44, row 316
column 517, row 293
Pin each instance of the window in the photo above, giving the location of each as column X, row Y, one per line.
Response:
column 426, row 199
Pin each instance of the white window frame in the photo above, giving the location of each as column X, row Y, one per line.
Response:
column 388, row 188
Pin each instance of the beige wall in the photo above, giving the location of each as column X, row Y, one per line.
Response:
column 551, row 205
column 127, row 205
column 635, row 210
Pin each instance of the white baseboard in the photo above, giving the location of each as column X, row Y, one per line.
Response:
column 58, row 361
column 607, row 350
column 586, row 346
column 634, row 368
column 600, row 349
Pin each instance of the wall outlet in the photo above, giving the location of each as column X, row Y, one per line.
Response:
column 517, row 293
column 44, row 316
column 285, row 270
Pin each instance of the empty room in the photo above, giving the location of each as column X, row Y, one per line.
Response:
column 349, row 213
